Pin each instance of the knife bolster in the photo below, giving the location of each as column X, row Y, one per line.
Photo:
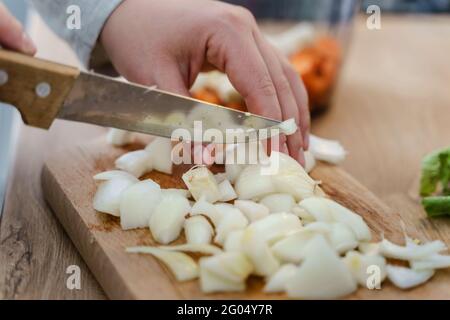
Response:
column 37, row 88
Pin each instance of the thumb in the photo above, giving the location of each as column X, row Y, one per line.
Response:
column 12, row 35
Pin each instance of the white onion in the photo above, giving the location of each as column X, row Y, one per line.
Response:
column 252, row 210
column 108, row 195
column 359, row 265
column 207, row 249
column 136, row 162
column 405, row 278
column 118, row 137
column 167, row 220
column 115, row 174
column 252, row 184
column 278, row 281
column 291, row 249
column 278, row 202
column 288, row 127
column 435, row 261
column 233, row 171
column 293, row 39
column 177, row 192
column 276, row 226
column 180, row 264
column 201, row 182
column 369, row 248
column 226, row 191
column 391, row 250
column 291, row 178
column 220, row 177
column 137, row 204
column 198, row 230
column 233, row 220
column 254, row 245
column 342, row 238
column 205, row 208
column 233, row 242
column 160, row 150
column 322, row 274
column 210, row 283
column 327, row 150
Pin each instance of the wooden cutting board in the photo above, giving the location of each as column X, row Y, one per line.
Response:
column 69, row 188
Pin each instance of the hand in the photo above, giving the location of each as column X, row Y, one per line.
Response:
column 168, row 42
column 12, row 35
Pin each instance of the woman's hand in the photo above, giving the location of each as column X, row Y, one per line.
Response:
column 168, row 42
column 12, row 35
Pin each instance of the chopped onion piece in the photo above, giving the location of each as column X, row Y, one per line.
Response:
column 233, row 242
column 177, row 192
column 292, row 248
column 233, row 220
column 369, row 248
column 342, row 238
column 160, row 150
column 294, row 39
column 207, row 209
column 231, row 266
column 276, row 226
column 136, row 162
column 278, row 202
column 327, row 150
column 278, row 281
column 138, row 203
column 227, row 192
column 118, row 137
column 391, row 250
column 207, row 249
column 254, row 245
column 180, row 264
column 322, row 274
column 201, row 182
column 233, row 171
column 288, row 127
column 108, row 195
column 198, row 230
column 210, row 283
column 435, row 261
column 310, row 161
column 252, row 210
column 167, row 220
column 405, row 278
column 251, row 184
column 291, row 178
column 115, row 174
column 220, row 177
column 360, row 267
column 317, row 208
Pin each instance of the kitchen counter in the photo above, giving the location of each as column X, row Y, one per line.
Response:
column 392, row 106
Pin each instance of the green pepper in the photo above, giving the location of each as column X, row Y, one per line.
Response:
column 435, row 172
column 437, row 206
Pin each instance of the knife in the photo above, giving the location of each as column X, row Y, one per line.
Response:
column 43, row 91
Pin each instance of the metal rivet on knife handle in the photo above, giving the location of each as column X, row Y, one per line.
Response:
column 43, row 90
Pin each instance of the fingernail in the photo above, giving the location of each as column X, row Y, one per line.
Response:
column 301, row 157
column 28, row 46
column 306, row 141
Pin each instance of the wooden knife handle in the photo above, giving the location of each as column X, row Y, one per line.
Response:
column 37, row 88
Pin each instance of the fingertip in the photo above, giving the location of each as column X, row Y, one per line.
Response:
column 27, row 45
column 301, row 157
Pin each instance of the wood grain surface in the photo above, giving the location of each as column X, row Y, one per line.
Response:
column 392, row 107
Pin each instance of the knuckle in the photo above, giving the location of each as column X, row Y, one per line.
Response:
column 266, row 86
column 283, row 85
column 236, row 16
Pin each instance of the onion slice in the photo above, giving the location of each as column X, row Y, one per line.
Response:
column 322, row 275
column 201, row 183
column 405, row 278
column 108, row 195
column 114, row 174
column 160, row 151
column 360, row 264
column 327, row 150
column 207, row 249
column 278, row 281
column 136, row 162
column 391, row 250
column 278, row 202
column 435, row 261
column 118, row 137
column 226, row 191
column 180, row 264
column 252, row 210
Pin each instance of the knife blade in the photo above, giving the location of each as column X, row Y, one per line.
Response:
column 42, row 91
column 109, row 102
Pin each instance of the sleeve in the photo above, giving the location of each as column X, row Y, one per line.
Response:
column 93, row 15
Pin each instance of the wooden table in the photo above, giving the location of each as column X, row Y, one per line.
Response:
column 392, row 107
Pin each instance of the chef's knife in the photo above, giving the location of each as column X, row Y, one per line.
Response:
column 42, row 91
